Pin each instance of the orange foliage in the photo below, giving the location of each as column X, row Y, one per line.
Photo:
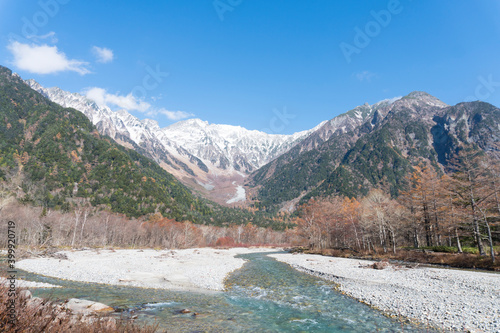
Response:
column 225, row 242
column 74, row 156
column 25, row 158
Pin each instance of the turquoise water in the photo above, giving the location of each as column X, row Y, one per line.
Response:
column 263, row 296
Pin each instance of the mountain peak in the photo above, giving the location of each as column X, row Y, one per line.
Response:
column 32, row 83
column 198, row 122
column 419, row 94
column 426, row 98
column 153, row 124
column 363, row 111
column 231, row 147
column 194, row 122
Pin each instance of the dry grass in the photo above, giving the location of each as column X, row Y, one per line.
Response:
column 32, row 315
column 456, row 260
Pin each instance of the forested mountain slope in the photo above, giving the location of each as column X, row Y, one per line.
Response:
column 212, row 159
column 379, row 152
column 54, row 157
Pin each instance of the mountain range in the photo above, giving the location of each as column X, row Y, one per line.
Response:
column 54, row 157
column 379, row 150
column 212, row 159
column 370, row 146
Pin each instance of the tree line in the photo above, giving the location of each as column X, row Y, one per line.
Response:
column 456, row 210
column 86, row 226
column 461, row 206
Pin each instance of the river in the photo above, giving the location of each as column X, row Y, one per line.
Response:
column 263, row 296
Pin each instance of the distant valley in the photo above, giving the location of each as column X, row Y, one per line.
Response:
column 370, row 146
column 212, row 159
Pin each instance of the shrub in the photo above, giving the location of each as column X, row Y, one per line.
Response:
column 225, row 242
column 442, row 248
column 37, row 315
column 471, row 250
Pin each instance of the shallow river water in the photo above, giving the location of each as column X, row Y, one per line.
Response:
column 263, row 296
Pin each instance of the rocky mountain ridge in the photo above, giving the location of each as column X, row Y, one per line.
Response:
column 213, row 159
column 379, row 151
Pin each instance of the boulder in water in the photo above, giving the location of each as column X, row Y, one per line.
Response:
column 84, row 306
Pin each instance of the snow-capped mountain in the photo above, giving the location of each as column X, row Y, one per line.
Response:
column 208, row 157
column 123, row 128
column 342, row 123
column 114, row 124
column 230, row 147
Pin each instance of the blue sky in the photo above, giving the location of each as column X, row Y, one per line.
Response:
column 283, row 66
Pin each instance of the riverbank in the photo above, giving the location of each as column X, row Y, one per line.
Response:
column 21, row 312
column 439, row 255
column 26, row 284
column 444, row 298
column 189, row 269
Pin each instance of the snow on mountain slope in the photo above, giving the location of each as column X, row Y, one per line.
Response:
column 108, row 122
column 230, row 147
column 213, row 159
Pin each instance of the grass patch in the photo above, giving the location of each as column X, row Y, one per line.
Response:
column 448, row 257
column 442, row 248
column 470, row 250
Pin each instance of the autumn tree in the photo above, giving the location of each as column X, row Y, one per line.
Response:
column 382, row 217
column 425, row 200
column 352, row 215
column 474, row 184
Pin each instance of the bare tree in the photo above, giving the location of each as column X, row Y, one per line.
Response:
column 78, row 213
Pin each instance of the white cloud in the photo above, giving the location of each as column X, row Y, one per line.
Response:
column 175, row 115
column 103, row 55
column 98, row 95
column 128, row 102
column 365, row 76
column 44, row 59
column 51, row 35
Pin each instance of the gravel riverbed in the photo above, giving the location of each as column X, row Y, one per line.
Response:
column 189, row 269
column 451, row 299
column 26, row 284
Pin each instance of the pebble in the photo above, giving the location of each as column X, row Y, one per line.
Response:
column 443, row 298
column 206, row 268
